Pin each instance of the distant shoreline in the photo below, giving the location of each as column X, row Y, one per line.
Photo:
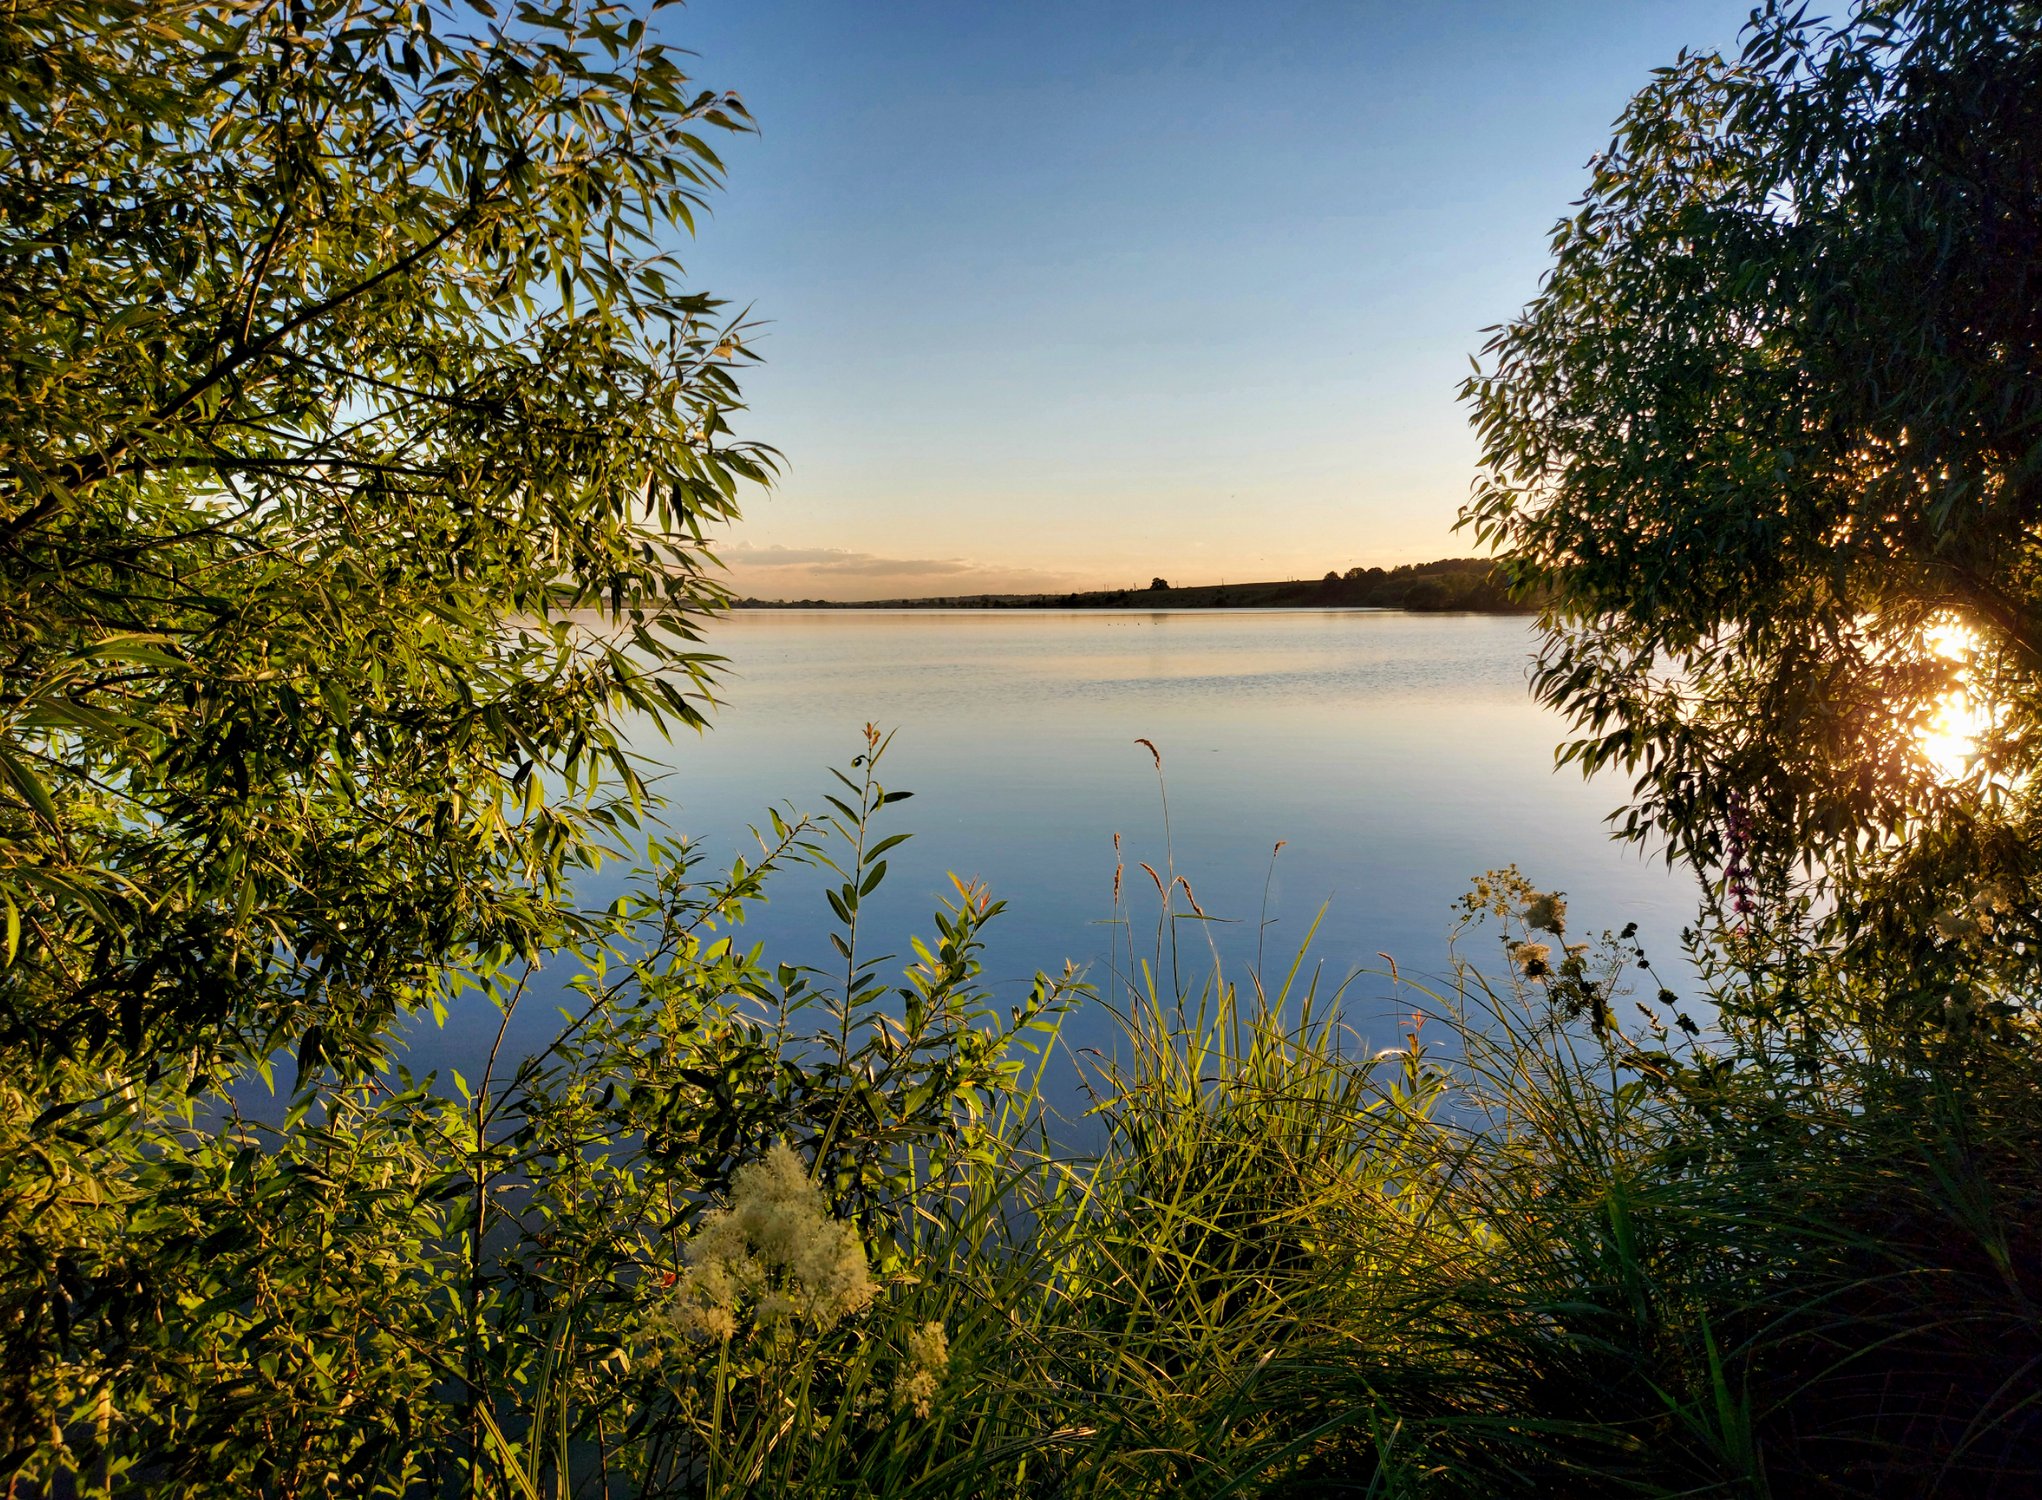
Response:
column 1451, row 584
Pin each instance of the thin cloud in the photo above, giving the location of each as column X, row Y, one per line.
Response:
column 840, row 573
column 838, row 560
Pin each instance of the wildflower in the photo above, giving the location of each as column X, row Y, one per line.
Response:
column 706, row 1305
column 1547, row 912
column 1532, row 958
column 1998, row 897
column 928, row 1356
column 777, row 1245
column 1956, row 923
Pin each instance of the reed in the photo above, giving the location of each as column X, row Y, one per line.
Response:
column 1532, row 1251
column 750, row 1230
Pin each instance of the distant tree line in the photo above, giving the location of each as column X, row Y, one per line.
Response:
column 1454, row 583
column 1470, row 583
column 1451, row 583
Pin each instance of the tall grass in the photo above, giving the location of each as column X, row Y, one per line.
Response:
column 1557, row 1242
column 1547, row 1254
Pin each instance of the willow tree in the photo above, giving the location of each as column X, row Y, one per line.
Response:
column 1769, row 438
column 358, row 436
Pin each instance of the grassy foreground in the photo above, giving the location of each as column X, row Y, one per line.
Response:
column 747, row 1230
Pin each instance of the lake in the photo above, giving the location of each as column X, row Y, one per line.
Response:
column 1394, row 756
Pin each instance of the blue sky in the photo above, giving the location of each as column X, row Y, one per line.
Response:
column 1068, row 295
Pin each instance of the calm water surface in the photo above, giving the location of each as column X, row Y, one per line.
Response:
column 1395, row 756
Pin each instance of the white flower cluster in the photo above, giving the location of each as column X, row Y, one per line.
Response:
column 1963, row 920
column 928, row 1356
column 777, row 1246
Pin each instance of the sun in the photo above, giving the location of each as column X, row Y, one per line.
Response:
column 1951, row 740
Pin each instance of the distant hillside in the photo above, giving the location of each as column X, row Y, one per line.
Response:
column 1453, row 583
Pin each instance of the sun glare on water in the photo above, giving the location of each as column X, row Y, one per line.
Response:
column 1951, row 740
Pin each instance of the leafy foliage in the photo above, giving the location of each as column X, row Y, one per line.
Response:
column 356, row 452
column 408, row 1285
column 357, row 441
column 1771, row 427
column 1560, row 1251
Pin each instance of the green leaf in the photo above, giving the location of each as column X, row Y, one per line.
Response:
column 16, row 774
column 890, row 841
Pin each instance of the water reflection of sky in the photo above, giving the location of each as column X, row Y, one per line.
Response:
column 1395, row 755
